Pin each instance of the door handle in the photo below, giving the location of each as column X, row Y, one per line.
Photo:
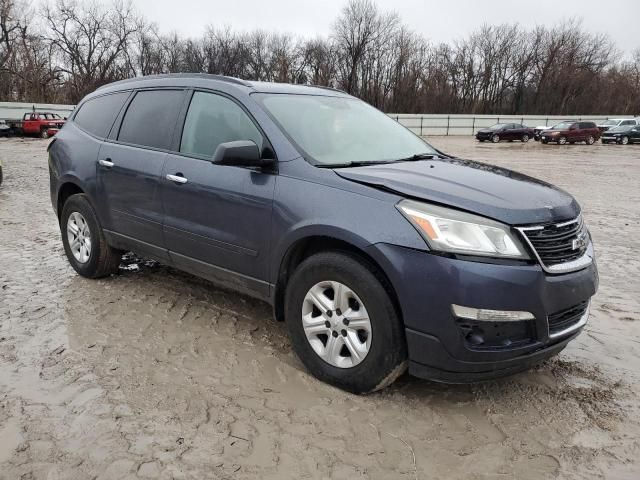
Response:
column 177, row 178
column 106, row 162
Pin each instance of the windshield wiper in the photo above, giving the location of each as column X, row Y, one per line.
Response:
column 364, row 163
column 419, row 156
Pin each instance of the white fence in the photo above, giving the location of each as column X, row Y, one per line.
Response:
column 422, row 124
column 16, row 110
column 430, row 124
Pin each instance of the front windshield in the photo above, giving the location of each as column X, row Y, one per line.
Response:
column 562, row 125
column 611, row 122
column 498, row 126
column 341, row 130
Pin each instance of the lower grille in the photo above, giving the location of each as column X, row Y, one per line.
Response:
column 560, row 321
column 558, row 243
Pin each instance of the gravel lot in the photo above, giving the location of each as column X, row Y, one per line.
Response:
column 154, row 373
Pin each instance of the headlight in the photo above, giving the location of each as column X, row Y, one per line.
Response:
column 448, row 230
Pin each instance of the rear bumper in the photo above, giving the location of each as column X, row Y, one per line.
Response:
column 439, row 344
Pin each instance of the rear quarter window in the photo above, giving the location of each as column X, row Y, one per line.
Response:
column 151, row 117
column 97, row 115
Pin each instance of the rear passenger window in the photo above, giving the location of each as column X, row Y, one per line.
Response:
column 151, row 118
column 628, row 122
column 98, row 114
column 213, row 119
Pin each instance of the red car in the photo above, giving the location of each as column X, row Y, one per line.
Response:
column 43, row 124
column 571, row 132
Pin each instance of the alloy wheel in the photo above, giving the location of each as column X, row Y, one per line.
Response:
column 79, row 237
column 495, row 139
column 625, row 140
column 562, row 140
column 336, row 324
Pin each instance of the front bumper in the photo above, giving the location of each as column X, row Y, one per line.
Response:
column 427, row 286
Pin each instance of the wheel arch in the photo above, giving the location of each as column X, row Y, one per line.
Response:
column 307, row 246
column 66, row 189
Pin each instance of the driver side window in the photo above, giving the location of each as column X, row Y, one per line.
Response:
column 214, row 119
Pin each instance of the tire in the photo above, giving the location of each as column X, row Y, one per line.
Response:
column 102, row 260
column 562, row 141
column 590, row 140
column 544, row 141
column 525, row 138
column 44, row 134
column 495, row 138
column 386, row 357
column 1, row 177
column 481, row 140
column 624, row 140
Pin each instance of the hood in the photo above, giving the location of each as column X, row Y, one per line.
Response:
column 493, row 192
column 487, row 130
column 626, row 128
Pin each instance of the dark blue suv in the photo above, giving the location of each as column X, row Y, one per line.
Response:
column 378, row 251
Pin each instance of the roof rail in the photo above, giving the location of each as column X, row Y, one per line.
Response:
column 323, row 87
column 210, row 76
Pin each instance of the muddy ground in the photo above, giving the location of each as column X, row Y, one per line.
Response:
column 154, row 373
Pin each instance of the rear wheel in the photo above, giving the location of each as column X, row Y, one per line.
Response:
column 84, row 241
column 343, row 324
column 562, row 141
column 591, row 140
column 495, row 138
column 545, row 141
column 624, row 140
column 481, row 140
column 525, row 138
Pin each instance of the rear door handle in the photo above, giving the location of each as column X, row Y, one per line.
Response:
column 106, row 162
column 177, row 178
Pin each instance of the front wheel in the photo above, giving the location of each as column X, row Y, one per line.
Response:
column 591, row 140
column 525, row 138
column 84, row 241
column 545, row 141
column 343, row 323
column 495, row 138
column 624, row 140
column 44, row 133
column 562, row 141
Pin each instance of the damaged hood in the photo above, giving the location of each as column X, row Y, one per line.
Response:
column 494, row 192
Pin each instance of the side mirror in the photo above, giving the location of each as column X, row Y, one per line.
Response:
column 241, row 153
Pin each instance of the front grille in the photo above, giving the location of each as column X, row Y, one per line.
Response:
column 566, row 318
column 558, row 243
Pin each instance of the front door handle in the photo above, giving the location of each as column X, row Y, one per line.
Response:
column 106, row 162
column 177, row 178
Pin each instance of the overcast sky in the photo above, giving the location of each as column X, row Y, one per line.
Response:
column 440, row 21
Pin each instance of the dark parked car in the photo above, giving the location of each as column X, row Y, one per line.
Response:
column 571, row 132
column 505, row 131
column 377, row 250
column 622, row 135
